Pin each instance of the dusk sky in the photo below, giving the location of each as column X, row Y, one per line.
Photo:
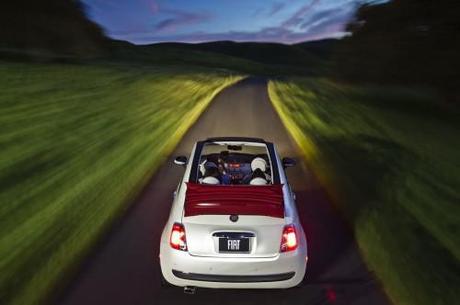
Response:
column 288, row 21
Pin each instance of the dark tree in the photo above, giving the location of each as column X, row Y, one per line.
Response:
column 405, row 42
column 57, row 26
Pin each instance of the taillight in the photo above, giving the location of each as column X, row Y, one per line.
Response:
column 289, row 240
column 177, row 239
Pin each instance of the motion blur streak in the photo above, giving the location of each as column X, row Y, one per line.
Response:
column 78, row 142
column 389, row 166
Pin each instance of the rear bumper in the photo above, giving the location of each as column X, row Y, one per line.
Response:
column 284, row 270
column 234, row 278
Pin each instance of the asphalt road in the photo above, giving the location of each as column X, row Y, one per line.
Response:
column 124, row 267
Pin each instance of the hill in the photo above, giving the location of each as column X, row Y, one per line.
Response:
column 274, row 54
column 323, row 48
column 268, row 53
column 271, row 59
column 176, row 55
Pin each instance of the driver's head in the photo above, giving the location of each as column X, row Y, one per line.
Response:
column 211, row 172
column 223, row 156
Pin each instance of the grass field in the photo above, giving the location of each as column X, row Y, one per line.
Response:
column 77, row 143
column 390, row 159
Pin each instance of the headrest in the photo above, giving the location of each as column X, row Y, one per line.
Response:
column 259, row 163
column 258, row 181
column 210, row 180
column 206, row 164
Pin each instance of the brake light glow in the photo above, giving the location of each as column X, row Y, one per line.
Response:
column 177, row 239
column 289, row 239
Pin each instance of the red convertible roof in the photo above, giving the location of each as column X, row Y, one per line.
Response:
column 202, row 199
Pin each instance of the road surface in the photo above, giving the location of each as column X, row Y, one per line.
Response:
column 124, row 268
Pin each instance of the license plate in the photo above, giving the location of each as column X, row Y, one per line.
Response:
column 233, row 244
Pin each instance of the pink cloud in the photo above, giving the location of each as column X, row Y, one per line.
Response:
column 179, row 18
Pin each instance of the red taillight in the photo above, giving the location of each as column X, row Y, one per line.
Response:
column 177, row 239
column 289, row 240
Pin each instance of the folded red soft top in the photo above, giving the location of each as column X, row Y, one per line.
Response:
column 202, row 199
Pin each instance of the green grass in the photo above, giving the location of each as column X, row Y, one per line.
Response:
column 390, row 159
column 77, row 143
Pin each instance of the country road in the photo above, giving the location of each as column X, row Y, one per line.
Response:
column 123, row 268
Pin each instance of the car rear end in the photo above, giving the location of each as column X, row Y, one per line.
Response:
column 234, row 237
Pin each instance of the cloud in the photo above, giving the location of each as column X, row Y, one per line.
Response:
column 257, row 11
column 309, row 22
column 179, row 18
column 335, row 23
column 299, row 15
column 276, row 7
column 269, row 34
column 265, row 11
column 165, row 20
column 319, row 16
column 325, row 18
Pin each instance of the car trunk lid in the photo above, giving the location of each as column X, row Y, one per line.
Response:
column 242, row 221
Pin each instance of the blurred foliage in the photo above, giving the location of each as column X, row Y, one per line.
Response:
column 78, row 142
column 405, row 42
column 389, row 157
column 49, row 26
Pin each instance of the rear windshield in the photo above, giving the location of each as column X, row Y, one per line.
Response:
column 235, row 164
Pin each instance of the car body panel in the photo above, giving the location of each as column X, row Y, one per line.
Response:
column 266, row 230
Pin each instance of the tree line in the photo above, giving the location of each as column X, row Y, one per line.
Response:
column 409, row 42
column 55, row 26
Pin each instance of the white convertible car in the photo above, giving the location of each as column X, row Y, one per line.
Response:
column 233, row 221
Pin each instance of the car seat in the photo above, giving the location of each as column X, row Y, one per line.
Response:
column 258, row 181
column 259, row 163
column 258, row 177
column 210, row 180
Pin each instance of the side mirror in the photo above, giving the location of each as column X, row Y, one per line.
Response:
column 181, row 160
column 288, row 162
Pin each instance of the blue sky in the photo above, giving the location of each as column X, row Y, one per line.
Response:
column 288, row 21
